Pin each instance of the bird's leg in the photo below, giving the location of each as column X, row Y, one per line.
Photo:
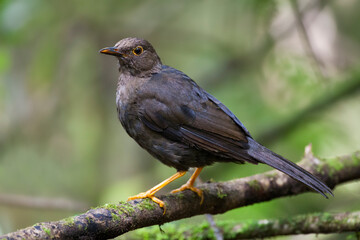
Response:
column 190, row 185
column 150, row 193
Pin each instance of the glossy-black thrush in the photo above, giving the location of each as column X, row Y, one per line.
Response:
column 181, row 124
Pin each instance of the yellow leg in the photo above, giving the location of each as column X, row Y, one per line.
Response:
column 150, row 193
column 190, row 185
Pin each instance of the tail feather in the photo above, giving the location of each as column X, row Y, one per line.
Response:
column 264, row 155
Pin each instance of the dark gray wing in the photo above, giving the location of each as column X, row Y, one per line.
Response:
column 229, row 113
column 182, row 111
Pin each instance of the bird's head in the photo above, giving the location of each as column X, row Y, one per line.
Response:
column 136, row 56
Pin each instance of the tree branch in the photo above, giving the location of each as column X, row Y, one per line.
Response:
column 112, row 220
column 302, row 224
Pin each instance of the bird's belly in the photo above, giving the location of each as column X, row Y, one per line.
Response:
column 174, row 154
column 169, row 152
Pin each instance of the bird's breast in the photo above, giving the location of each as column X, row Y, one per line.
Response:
column 124, row 89
column 122, row 96
column 126, row 100
column 127, row 88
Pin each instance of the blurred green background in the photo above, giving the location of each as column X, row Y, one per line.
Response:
column 60, row 139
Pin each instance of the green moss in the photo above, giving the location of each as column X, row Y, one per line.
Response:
column 245, row 227
column 175, row 231
column 126, row 208
column 148, row 204
column 320, row 168
column 271, row 174
column 336, row 164
column 332, row 164
column 255, row 185
column 111, row 206
column 356, row 158
column 155, row 233
column 122, row 207
column 220, row 194
column 70, row 221
column 47, row 231
column 201, row 228
column 79, row 226
column 228, row 230
column 326, row 217
column 180, row 195
column 115, row 217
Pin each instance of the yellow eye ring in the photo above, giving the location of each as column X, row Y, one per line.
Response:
column 138, row 50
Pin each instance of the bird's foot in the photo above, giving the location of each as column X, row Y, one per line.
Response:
column 189, row 186
column 149, row 194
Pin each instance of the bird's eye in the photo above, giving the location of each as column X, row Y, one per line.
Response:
column 138, row 50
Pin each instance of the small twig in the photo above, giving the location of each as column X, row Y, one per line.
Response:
column 217, row 231
column 348, row 88
column 42, row 202
column 304, row 35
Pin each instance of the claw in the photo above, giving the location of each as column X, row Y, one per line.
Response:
column 190, row 185
column 151, row 193
column 148, row 194
column 198, row 191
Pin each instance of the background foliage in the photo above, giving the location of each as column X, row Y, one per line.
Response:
column 59, row 133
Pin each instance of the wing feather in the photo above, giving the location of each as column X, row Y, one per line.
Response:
column 183, row 112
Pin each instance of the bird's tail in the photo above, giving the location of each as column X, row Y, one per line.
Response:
column 264, row 155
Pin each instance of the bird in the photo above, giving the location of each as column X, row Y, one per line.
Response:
column 181, row 124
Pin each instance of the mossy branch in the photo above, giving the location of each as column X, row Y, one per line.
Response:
column 113, row 220
column 301, row 224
